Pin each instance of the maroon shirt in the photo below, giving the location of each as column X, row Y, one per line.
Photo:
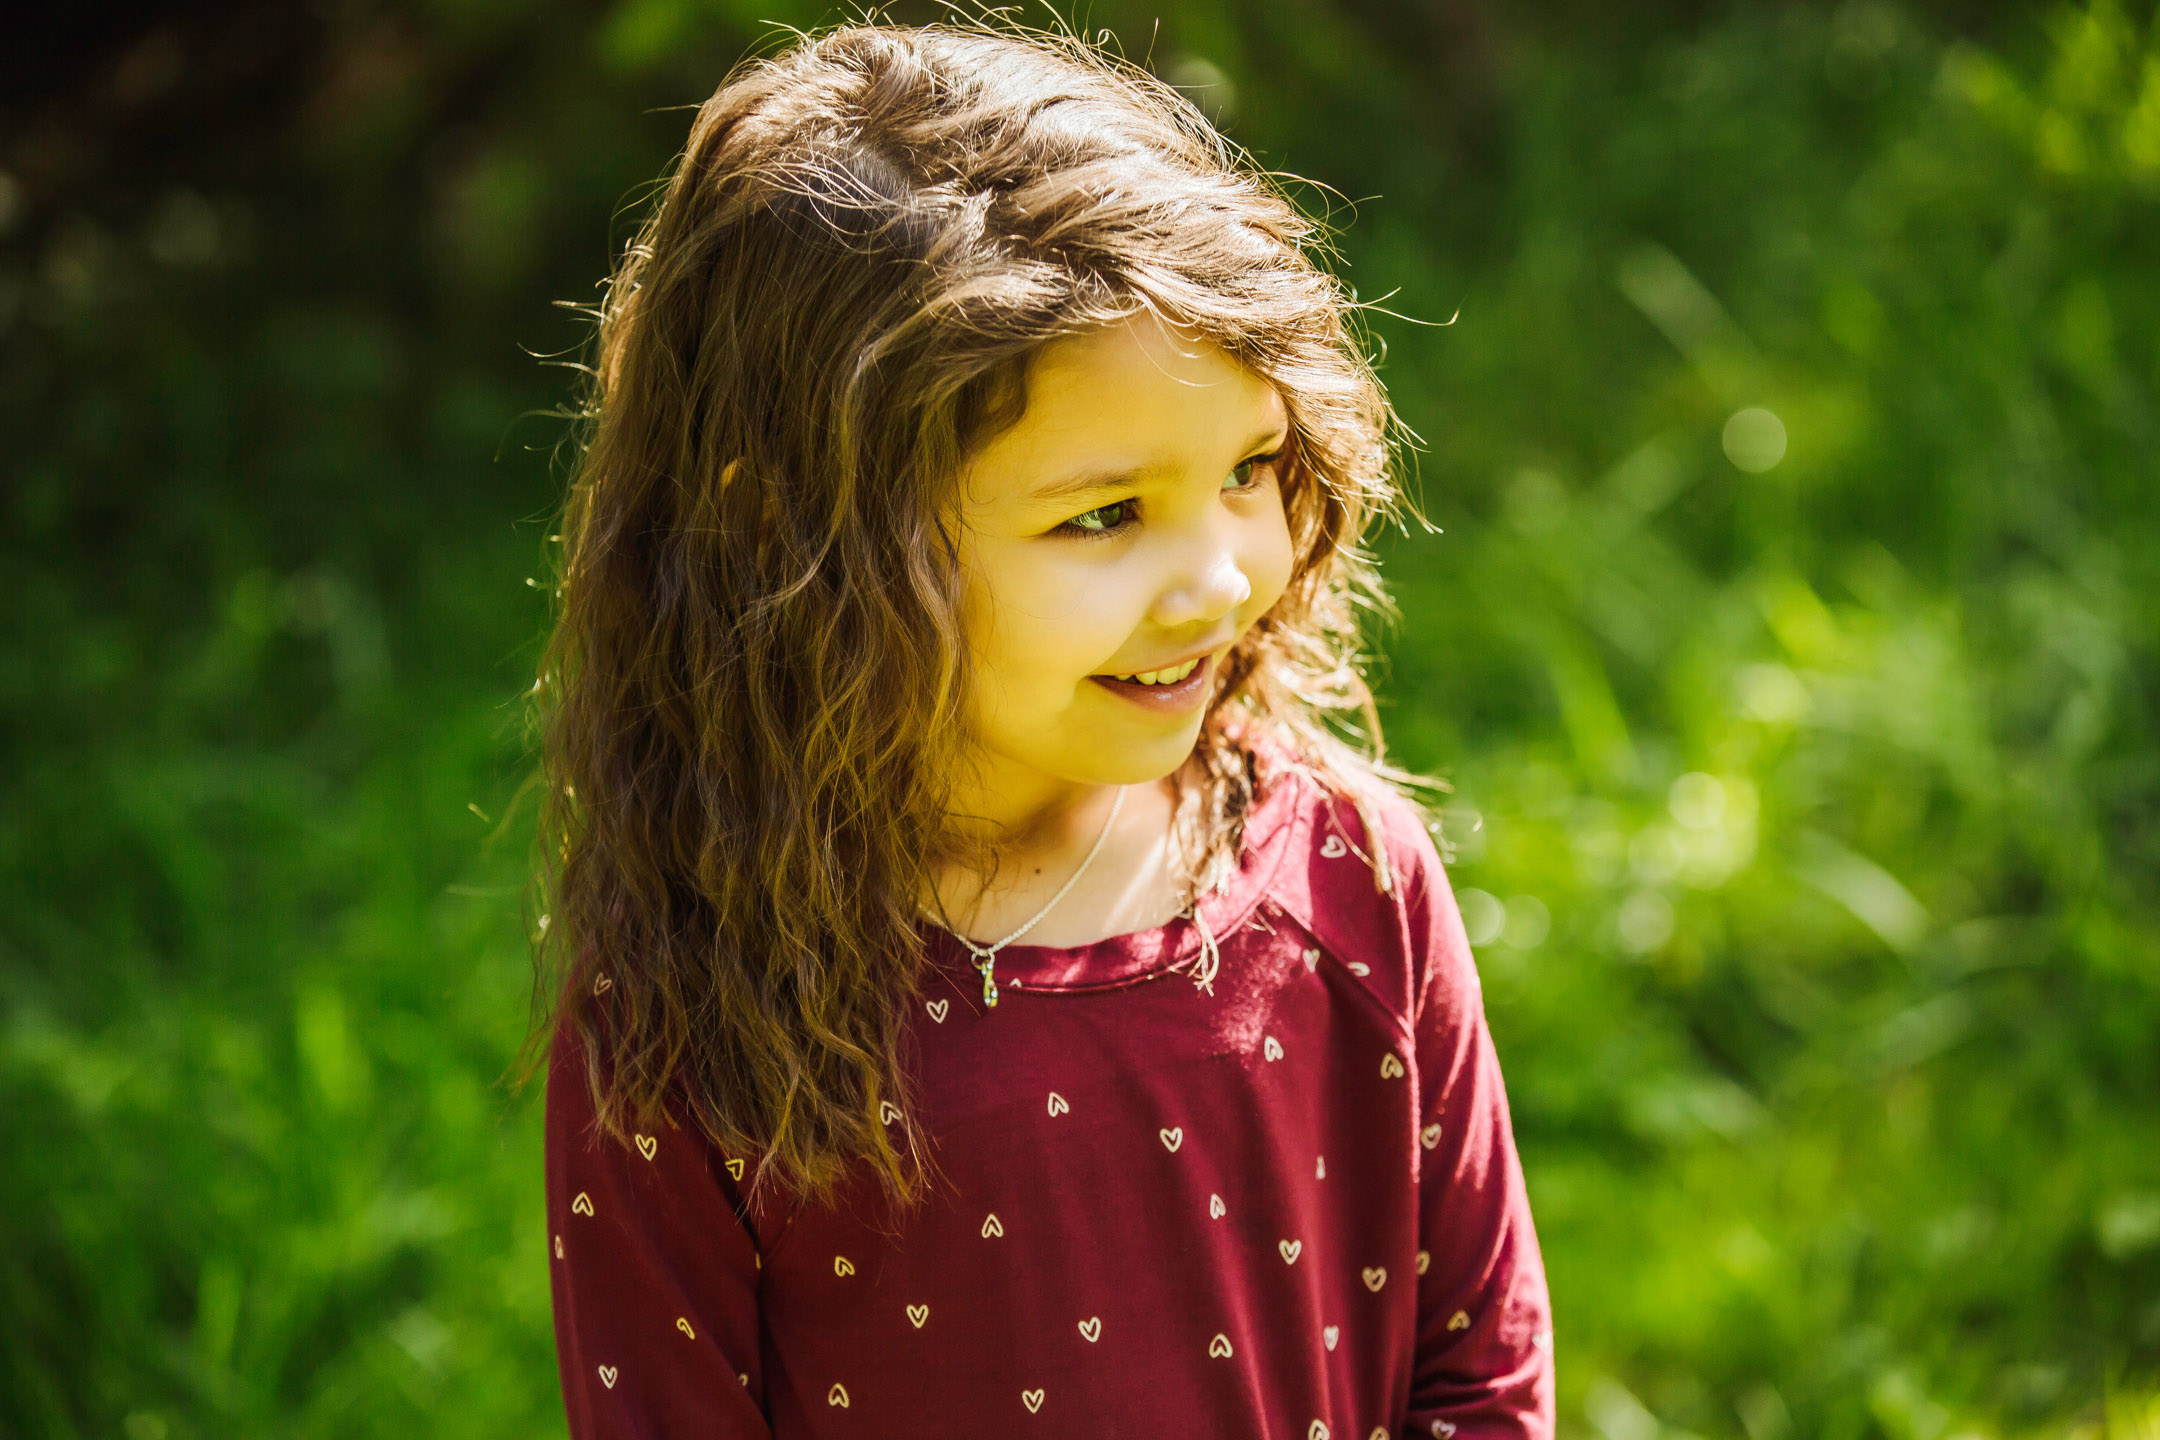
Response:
column 1286, row 1204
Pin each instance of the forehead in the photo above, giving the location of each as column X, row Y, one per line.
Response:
column 1132, row 397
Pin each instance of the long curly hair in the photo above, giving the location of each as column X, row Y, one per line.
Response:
column 753, row 694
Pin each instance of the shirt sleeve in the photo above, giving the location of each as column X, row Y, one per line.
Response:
column 655, row 1277
column 1483, row 1366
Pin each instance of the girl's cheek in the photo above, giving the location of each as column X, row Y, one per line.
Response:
column 1273, row 558
column 1033, row 620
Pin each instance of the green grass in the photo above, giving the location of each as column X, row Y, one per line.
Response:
column 1809, row 815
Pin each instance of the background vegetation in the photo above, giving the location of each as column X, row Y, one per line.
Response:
column 1790, row 639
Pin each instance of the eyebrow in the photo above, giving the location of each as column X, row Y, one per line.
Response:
column 1091, row 481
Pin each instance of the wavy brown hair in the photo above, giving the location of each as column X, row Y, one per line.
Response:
column 754, row 692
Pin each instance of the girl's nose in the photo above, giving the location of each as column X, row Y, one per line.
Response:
column 1215, row 589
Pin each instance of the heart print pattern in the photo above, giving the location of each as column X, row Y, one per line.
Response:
column 1219, row 1346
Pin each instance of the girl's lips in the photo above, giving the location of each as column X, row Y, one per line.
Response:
column 1165, row 699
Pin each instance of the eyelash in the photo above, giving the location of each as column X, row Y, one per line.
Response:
column 1074, row 527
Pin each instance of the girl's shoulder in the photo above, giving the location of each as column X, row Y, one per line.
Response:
column 1362, row 876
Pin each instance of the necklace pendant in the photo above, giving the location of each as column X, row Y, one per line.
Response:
column 989, row 984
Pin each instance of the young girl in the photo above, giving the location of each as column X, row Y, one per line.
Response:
column 994, row 1002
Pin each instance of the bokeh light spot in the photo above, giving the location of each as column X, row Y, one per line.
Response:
column 1645, row 921
column 1697, row 800
column 1528, row 922
column 1483, row 916
column 1754, row 440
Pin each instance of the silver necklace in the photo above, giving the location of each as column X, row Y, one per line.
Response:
column 986, row 955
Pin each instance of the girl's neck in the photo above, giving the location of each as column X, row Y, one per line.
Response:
column 1021, row 814
column 1038, row 840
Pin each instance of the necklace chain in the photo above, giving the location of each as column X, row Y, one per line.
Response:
column 986, row 955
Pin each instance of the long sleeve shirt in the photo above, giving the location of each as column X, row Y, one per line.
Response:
column 1272, row 1197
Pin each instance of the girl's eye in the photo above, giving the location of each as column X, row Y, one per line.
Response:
column 1102, row 520
column 1242, row 477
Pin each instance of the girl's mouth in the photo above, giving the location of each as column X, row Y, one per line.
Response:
column 1179, row 687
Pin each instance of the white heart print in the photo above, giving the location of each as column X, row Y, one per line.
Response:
column 1215, row 1207
column 1290, row 1249
column 1375, row 1276
column 607, row 1375
column 1312, row 959
column 1219, row 1347
column 1032, row 1399
column 1331, row 1334
column 1173, row 1137
column 1272, row 1049
column 1057, row 1104
column 1333, row 848
column 916, row 1314
column 1091, row 1329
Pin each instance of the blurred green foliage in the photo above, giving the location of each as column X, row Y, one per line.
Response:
column 1790, row 641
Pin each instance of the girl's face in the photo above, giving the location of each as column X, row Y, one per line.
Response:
column 1129, row 525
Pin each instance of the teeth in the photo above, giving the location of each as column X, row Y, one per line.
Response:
column 1161, row 677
